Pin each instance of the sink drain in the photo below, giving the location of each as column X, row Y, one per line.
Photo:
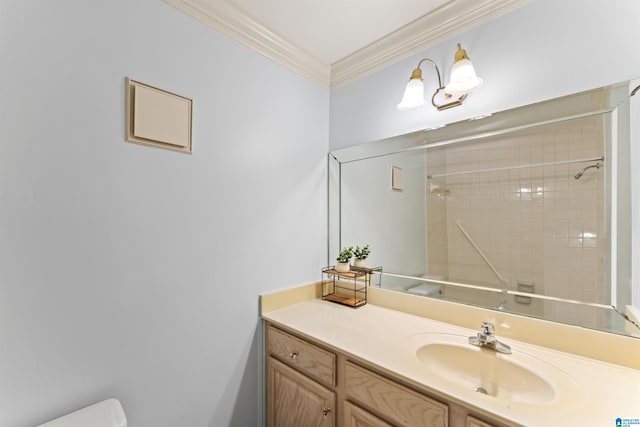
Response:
column 481, row 390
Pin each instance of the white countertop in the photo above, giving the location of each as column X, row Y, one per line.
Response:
column 596, row 392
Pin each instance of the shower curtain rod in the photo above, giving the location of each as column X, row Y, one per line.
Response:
column 566, row 162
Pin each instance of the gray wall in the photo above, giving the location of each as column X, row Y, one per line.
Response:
column 133, row 272
column 543, row 50
column 391, row 222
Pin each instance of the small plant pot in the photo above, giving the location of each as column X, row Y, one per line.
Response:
column 343, row 267
column 360, row 263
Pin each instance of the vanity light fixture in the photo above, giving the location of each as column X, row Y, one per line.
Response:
column 463, row 80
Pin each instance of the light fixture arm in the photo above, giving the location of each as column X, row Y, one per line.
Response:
column 437, row 70
column 417, row 73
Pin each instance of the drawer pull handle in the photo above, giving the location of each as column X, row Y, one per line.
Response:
column 325, row 412
column 293, row 354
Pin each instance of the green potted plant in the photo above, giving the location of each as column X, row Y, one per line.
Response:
column 361, row 254
column 343, row 259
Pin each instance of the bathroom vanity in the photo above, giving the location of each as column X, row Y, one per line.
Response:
column 302, row 389
column 332, row 365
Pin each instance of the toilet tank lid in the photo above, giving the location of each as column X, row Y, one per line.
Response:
column 108, row 413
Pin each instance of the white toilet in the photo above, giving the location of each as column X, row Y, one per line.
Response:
column 108, row 413
column 428, row 289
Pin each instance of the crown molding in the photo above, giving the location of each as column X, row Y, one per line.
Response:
column 233, row 22
column 448, row 20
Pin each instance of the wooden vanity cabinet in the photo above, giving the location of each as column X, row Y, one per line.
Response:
column 309, row 386
column 300, row 381
column 474, row 422
column 355, row 416
column 392, row 401
column 296, row 400
column 302, row 355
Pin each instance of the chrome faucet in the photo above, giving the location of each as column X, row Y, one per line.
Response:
column 486, row 338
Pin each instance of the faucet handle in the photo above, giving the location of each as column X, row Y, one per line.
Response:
column 486, row 338
column 488, row 329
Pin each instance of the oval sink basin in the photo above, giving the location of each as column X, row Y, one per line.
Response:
column 487, row 372
column 517, row 377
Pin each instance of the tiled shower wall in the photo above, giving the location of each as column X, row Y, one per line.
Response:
column 536, row 225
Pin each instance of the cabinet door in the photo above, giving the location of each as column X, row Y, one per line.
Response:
column 358, row 417
column 297, row 401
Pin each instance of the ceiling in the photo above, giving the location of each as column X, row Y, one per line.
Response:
column 334, row 29
column 332, row 42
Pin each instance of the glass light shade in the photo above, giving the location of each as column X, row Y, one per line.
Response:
column 463, row 78
column 413, row 96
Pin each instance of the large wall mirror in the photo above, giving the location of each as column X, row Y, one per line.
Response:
column 526, row 211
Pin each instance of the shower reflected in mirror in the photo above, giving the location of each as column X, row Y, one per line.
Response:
column 579, row 174
column 494, row 213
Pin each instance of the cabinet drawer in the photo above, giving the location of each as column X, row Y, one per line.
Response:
column 305, row 357
column 474, row 422
column 358, row 417
column 396, row 403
